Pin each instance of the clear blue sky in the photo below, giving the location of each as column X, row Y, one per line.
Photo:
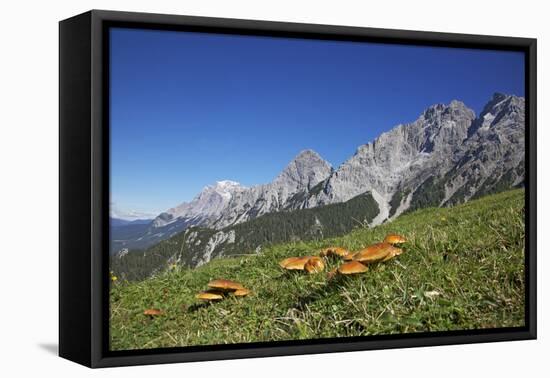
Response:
column 189, row 109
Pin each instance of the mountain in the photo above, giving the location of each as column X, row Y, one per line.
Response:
column 445, row 157
column 493, row 157
column 117, row 222
column 204, row 208
column 304, row 172
column 227, row 202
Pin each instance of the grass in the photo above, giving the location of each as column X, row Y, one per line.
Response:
column 463, row 268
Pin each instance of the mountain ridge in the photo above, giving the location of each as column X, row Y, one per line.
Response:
column 304, row 171
column 403, row 158
column 436, row 160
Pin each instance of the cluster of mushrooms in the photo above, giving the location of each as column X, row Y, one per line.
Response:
column 355, row 262
column 217, row 290
column 220, row 289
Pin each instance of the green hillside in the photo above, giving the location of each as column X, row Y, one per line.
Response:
column 463, row 268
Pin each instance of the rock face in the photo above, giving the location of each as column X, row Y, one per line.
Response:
column 446, row 156
column 204, row 208
column 300, row 175
column 403, row 156
column 493, row 157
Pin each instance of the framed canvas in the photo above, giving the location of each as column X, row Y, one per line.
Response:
column 235, row 188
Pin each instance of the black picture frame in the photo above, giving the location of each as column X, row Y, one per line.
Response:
column 84, row 187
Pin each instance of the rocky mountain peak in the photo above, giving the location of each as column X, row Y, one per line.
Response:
column 503, row 102
column 308, row 158
column 443, row 112
column 456, row 104
column 306, row 170
column 501, row 109
column 499, row 96
column 223, row 189
column 209, row 203
column 441, row 127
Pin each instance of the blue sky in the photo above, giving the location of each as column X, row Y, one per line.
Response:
column 189, row 109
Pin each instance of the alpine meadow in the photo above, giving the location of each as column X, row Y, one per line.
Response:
column 311, row 190
column 462, row 269
column 461, row 266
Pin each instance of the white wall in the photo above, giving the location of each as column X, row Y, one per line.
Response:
column 28, row 186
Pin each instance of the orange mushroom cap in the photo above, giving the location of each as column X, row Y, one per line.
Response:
column 225, row 285
column 352, row 267
column 241, row 292
column 349, row 256
column 394, row 239
column 334, row 251
column 394, row 252
column 373, row 253
column 209, row 295
column 314, row 265
column 152, row 312
column 296, row 263
column 288, row 260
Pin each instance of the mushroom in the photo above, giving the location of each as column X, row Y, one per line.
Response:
column 152, row 312
column 348, row 257
column 393, row 252
column 210, row 295
column 241, row 292
column 373, row 253
column 225, row 285
column 295, row 263
column 352, row 267
column 288, row 260
column 314, row 265
column 394, row 239
column 334, row 251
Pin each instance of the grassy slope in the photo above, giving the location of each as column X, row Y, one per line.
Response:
column 462, row 269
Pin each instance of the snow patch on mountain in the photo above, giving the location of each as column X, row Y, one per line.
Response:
column 206, row 206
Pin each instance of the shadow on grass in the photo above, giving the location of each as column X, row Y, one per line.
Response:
column 197, row 306
column 354, row 327
column 326, row 290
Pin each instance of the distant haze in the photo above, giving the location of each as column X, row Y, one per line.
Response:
column 190, row 109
